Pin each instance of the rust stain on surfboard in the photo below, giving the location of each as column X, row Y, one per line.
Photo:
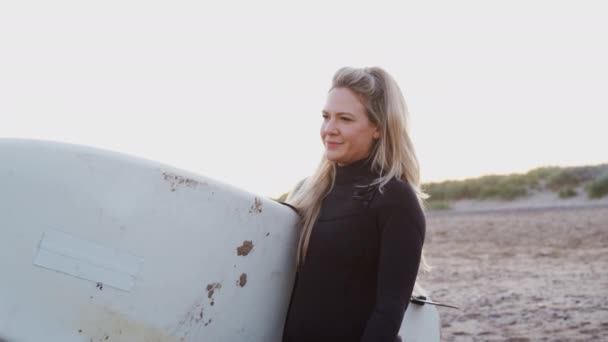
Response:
column 256, row 207
column 245, row 248
column 211, row 289
column 176, row 180
column 242, row 280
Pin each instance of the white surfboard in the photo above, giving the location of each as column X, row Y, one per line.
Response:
column 101, row 246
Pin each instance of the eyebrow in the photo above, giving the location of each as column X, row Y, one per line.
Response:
column 338, row 113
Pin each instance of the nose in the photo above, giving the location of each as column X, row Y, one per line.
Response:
column 329, row 127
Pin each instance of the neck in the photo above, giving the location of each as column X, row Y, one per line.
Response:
column 351, row 172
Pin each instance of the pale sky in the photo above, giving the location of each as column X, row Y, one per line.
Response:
column 234, row 90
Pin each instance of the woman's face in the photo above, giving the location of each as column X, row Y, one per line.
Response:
column 347, row 133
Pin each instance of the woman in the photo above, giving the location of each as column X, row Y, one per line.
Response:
column 362, row 222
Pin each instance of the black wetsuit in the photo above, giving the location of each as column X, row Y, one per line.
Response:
column 362, row 262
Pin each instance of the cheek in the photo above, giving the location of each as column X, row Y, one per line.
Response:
column 363, row 139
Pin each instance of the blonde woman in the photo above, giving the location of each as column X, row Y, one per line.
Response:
column 363, row 226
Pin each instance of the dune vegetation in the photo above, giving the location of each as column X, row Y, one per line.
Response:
column 566, row 182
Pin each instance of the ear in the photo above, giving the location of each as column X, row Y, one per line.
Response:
column 376, row 134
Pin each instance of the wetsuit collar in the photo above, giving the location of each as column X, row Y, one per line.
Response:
column 354, row 171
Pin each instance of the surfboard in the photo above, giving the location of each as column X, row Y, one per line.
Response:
column 101, row 246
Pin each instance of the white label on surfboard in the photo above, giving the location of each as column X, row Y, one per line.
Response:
column 88, row 260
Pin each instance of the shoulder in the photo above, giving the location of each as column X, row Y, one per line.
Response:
column 294, row 190
column 299, row 185
column 398, row 205
column 398, row 193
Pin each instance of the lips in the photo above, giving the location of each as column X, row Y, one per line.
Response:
column 331, row 144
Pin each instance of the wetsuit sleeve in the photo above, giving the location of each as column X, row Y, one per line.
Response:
column 403, row 229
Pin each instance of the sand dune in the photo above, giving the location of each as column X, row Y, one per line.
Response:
column 535, row 274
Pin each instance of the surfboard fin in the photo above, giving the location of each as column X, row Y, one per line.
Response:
column 421, row 300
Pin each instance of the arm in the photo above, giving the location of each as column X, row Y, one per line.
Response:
column 403, row 230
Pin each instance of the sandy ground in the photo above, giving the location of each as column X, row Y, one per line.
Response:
column 535, row 274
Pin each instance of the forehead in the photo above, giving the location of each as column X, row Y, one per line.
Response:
column 343, row 100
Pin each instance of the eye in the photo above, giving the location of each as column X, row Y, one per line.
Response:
column 346, row 119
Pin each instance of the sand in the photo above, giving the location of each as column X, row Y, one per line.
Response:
column 520, row 274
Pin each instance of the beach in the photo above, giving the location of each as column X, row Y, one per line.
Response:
column 520, row 273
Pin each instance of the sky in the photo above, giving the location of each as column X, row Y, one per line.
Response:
column 234, row 90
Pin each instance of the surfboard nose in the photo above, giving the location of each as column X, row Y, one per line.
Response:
column 104, row 246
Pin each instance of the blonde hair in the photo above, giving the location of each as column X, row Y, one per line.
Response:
column 392, row 155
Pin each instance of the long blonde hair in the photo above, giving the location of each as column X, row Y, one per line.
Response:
column 393, row 154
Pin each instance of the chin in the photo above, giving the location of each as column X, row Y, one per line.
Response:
column 333, row 157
